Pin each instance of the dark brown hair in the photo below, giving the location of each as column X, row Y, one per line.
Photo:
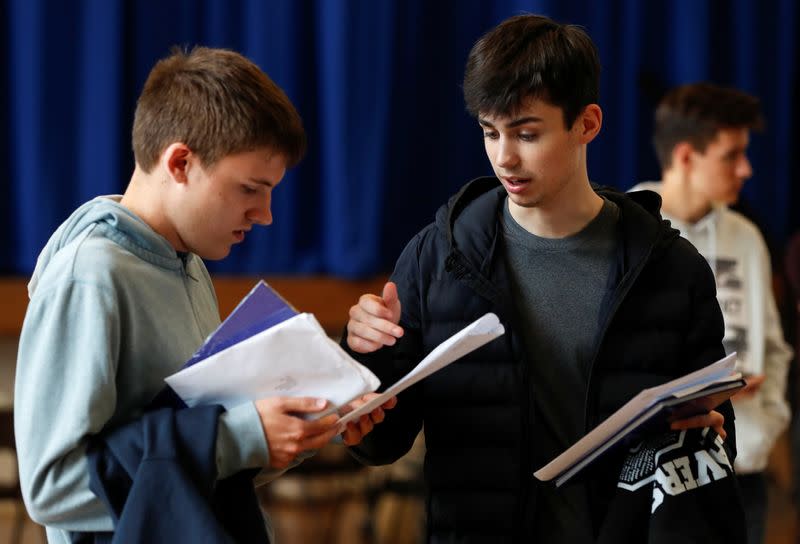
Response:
column 696, row 112
column 216, row 102
column 531, row 56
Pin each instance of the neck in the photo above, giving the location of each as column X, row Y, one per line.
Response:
column 144, row 198
column 679, row 201
column 565, row 215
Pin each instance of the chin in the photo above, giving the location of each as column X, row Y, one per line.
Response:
column 727, row 201
column 524, row 201
column 214, row 255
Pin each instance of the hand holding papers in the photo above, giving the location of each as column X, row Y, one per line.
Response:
column 694, row 393
column 265, row 349
column 470, row 338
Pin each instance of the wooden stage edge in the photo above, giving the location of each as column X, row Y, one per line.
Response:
column 329, row 299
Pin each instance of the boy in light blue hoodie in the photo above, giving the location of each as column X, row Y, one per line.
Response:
column 120, row 297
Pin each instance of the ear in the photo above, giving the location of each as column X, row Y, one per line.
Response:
column 682, row 155
column 175, row 161
column 589, row 123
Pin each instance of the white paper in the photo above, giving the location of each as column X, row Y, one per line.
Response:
column 601, row 436
column 470, row 338
column 294, row 358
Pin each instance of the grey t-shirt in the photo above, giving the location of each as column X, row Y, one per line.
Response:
column 559, row 285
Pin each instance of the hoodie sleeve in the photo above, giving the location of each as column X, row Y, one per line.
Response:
column 777, row 354
column 241, row 443
column 764, row 416
column 65, row 391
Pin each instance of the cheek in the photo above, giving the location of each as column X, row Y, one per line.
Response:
column 490, row 150
column 227, row 203
column 723, row 178
column 548, row 160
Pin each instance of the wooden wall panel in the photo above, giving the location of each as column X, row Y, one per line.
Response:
column 329, row 299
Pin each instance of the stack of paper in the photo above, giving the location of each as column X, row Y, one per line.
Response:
column 698, row 392
column 265, row 349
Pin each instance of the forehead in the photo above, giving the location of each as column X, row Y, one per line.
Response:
column 532, row 109
column 730, row 137
column 252, row 162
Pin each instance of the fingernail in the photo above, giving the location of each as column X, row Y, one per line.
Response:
column 321, row 403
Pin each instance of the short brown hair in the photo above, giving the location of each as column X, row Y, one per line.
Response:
column 216, row 102
column 696, row 112
column 532, row 56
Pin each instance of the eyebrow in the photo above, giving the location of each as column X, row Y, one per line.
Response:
column 260, row 181
column 514, row 123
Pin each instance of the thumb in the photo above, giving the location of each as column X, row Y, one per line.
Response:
column 392, row 300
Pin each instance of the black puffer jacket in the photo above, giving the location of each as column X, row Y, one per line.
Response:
column 662, row 320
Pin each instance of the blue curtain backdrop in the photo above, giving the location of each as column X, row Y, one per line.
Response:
column 378, row 85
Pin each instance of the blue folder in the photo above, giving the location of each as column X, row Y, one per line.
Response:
column 259, row 310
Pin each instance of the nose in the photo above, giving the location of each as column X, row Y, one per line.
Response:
column 506, row 156
column 262, row 214
column 744, row 170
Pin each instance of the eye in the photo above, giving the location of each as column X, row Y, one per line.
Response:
column 249, row 190
column 528, row 137
column 490, row 134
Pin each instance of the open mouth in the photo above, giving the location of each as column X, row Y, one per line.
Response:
column 516, row 185
column 239, row 235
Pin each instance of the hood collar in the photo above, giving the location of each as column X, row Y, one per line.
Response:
column 125, row 228
column 478, row 203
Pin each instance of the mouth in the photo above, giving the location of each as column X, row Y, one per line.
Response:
column 239, row 235
column 514, row 184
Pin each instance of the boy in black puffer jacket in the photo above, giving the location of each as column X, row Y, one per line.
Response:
column 599, row 298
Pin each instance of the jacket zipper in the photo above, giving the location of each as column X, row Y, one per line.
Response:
column 462, row 270
column 625, row 286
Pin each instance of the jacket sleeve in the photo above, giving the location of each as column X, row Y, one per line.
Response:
column 64, row 392
column 394, row 437
column 705, row 332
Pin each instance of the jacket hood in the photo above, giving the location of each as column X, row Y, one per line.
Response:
column 480, row 200
column 128, row 230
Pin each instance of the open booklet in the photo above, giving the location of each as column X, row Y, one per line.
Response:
column 696, row 393
column 266, row 348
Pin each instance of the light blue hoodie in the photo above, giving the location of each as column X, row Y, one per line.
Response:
column 113, row 310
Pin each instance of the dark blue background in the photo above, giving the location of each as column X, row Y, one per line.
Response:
column 378, row 85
